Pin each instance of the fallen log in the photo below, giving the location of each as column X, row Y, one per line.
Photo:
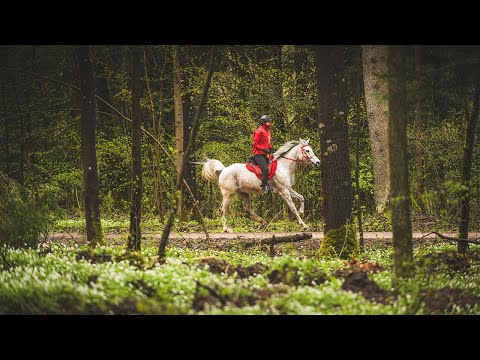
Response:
column 269, row 241
column 449, row 238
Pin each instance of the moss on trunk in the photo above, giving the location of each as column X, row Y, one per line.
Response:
column 98, row 235
column 341, row 242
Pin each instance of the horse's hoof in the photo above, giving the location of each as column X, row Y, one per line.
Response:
column 301, row 212
column 228, row 230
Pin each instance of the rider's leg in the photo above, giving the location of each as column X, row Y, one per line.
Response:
column 261, row 160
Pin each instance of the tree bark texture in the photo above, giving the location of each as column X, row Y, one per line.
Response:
column 6, row 148
column 135, row 236
column 337, row 189
column 374, row 60
column 190, row 171
column 106, row 123
column 178, row 103
column 95, row 235
column 418, row 151
column 467, row 170
column 399, row 187
column 357, row 162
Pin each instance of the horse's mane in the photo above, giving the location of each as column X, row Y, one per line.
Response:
column 285, row 147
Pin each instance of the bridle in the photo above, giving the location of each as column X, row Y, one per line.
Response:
column 305, row 156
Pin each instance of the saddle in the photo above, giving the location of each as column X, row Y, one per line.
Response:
column 255, row 168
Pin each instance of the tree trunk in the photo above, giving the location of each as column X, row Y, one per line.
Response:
column 7, row 132
column 171, row 217
column 158, row 178
column 21, row 169
column 25, row 126
column 399, row 189
column 28, row 125
column 18, row 175
column 357, row 162
column 135, row 236
column 190, row 169
column 418, row 151
column 95, row 235
column 156, row 130
column 287, row 53
column 106, row 122
column 178, row 103
column 467, row 170
column 374, row 61
column 335, row 161
column 120, row 62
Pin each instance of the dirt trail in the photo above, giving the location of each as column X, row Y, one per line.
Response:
column 315, row 235
column 225, row 241
column 175, row 236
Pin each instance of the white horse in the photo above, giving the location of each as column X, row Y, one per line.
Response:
column 236, row 178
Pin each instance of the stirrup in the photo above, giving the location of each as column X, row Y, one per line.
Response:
column 267, row 189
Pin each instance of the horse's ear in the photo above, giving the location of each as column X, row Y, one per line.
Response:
column 301, row 141
column 307, row 141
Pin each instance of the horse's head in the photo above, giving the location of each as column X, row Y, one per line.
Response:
column 306, row 153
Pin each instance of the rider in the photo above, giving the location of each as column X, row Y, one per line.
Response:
column 261, row 148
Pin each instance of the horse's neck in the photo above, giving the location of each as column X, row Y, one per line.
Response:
column 289, row 165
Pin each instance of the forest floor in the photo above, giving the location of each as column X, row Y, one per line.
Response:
column 251, row 277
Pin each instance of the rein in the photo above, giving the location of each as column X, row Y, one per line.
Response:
column 304, row 155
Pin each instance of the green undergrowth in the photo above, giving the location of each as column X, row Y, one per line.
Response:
column 57, row 279
column 370, row 223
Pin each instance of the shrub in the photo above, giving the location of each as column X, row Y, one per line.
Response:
column 25, row 215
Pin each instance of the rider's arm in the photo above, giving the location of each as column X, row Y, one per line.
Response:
column 256, row 140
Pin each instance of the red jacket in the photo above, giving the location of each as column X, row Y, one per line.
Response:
column 261, row 140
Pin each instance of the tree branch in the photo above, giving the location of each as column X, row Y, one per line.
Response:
column 450, row 238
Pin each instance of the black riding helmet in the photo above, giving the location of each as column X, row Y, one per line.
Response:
column 265, row 118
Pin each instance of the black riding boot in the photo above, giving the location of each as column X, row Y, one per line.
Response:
column 264, row 185
column 262, row 161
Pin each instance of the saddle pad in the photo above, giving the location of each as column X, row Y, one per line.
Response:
column 272, row 167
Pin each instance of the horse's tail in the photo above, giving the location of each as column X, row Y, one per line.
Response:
column 212, row 169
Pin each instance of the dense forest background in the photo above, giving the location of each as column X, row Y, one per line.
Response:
column 40, row 133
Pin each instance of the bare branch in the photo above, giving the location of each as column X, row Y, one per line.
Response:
column 449, row 238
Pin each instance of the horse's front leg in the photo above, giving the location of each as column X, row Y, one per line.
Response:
column 300, row 197
column 285, row 194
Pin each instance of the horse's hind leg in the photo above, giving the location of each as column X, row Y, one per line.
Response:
column 285, row 194
column 299, row 197
column 227, row 199
column 248, row 207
